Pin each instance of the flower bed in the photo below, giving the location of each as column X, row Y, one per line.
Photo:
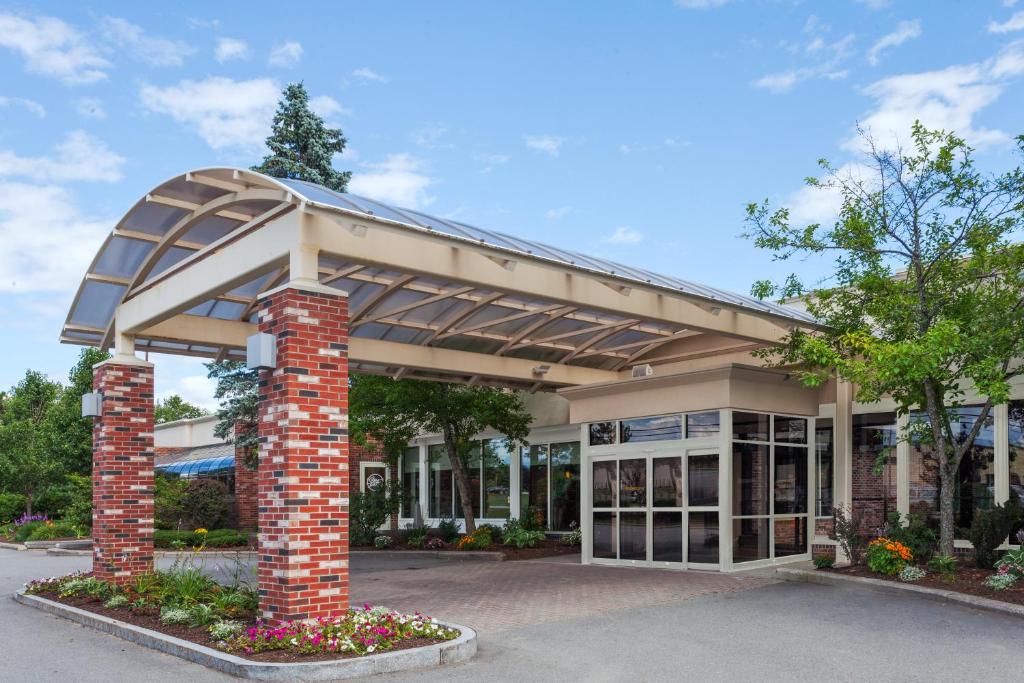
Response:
column 185, row 603
column 968, row 579
column 546, row 548
column 40, row 528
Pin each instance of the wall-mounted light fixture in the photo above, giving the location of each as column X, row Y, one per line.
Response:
column 541, row 370
column 261, row 352
column 92, row 404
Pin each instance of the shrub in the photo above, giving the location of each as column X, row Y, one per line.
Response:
column 185, row 586
column 533, row 520
column 480, row 539
column 910, row 574
column 524, row 538
column 416, row 537
column 168, row 502
column 11, row 505
column 575, row 535
column 78, row 510
column 1012, row 563
column 1001, row 582
column 382, row 542
column 823, row 561
column 22, row 532
column 944, row 566
column 846, row 532
column 447, row 529
column 368, row 510
column 435, row 544
column 47, row 531
column 990, row 528
column 218, row 538
column 915, row 534
column 205, row 503
column 886, row 556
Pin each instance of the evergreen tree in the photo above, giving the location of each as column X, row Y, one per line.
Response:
column 238, row 392
column 301, row 146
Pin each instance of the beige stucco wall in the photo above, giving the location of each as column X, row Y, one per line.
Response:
column 186, row 433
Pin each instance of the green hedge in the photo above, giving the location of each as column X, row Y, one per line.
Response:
column 217, row 538
column 12, row 505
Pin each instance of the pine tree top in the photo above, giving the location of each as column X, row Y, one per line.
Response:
column 301, row 146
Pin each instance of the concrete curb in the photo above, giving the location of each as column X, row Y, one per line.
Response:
column 937, row 594
column 461, row 649
column 441, row 554
column 68, row 552
column 13, row 546
column 43, row 545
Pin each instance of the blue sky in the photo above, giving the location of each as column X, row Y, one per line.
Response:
column 636, row 131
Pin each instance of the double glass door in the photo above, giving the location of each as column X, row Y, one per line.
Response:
column 657, row 509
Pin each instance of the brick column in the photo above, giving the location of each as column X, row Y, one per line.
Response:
column 246, row 492
column 303, row 473
column 122, row 471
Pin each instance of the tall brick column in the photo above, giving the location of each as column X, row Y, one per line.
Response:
column 246, row 490
column 122, row 471
column 303, row 473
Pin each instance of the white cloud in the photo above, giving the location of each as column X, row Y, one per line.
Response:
column 326, row 106
column 560, row 212
column 286, row 54
column 185, row 377
column 224, row 112
column 25, row 103
column 905, row 31
column 150, row 49
column 80, row 156
column 549, row 144
column 91, row 108
column 398, row 179
column 946, row 98
column 230, row 48
column 367, row 74
column 874, row 4
column 699, row 4
column 38, row 222
column 829, row 58
column 1014, row 23
column 491, row 160
column 624, row 234
column 50, row 47
column 430, row 137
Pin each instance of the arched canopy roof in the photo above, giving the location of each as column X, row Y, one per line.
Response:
column 393, row 297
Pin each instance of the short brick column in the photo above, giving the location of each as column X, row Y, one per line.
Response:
column 246, row 490
column 303, row 472
column 122, row 471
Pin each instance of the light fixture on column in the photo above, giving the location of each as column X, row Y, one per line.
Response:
column 261, row 352
column 92, row 404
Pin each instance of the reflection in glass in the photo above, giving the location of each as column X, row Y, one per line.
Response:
column 496, row 465
column 605, row 484
column 874, row 440
column 790, row 429
column 632, row 482
column 824, row 454
column 751, row 479
column 702, row 424
column 440, row 483
column 749, row 540
column 667, row 532
column 632, row 535
column 790, row 536
column 604, row 535
column 702, row 475
column 533, row 495
column 703, row 538
column 1016, row 435
column 668, row 481
column 749, row 426
column 565, row 485
column 661, row 428
column 602, row 433
column 790, row 480
column 410, row 481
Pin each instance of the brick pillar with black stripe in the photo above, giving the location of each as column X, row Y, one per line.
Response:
column 303, row 473
column 122, row 471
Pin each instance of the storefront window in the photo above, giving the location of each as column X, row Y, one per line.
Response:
column 824, row 456
column 874, row 444
column 565, row 485
column 702, row 477
column 602, row 433
column 751, row 480
column 702, row 424
column 410, row 481
column 441, row 483
column 632, row 483
column 668, row 481
column 662, row 428
column 702, row 544
column 790, row 480
column 605, row 484
column 533, row 496
column 496, row 462
column 749, row 426
column 1016, row 437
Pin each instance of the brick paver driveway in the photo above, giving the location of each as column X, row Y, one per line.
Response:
column 494, row 596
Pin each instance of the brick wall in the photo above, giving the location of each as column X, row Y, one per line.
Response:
column 874, row 495
column 122, row 471
column 246, row 489
column 370, row 453
column 304, row 470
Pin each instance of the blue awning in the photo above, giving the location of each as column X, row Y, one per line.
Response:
column 193, row 468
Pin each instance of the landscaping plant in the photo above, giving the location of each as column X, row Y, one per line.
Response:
column 480, row 539
column 575, row 535
column 886, row 556
column 519, row 536
column 447, row 529
column 990, row 528
column 823, row 561
column 846, row 531
column 369, row 510
column 381, row 542
column 416, row 537
column 1009, row 570
column 910, row 574
column 944, row 566
column 913, row 532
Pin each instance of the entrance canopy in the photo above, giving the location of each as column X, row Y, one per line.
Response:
column 428, row 297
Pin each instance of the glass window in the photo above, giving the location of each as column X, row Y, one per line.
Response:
column 662, row 428
column 824, row 456
column 703, row 538
column 667, row 533
column 533, row 496
column 605, row 483
column 604, row 541
column 602, row 433
column 790, row 480
column 750, row 539
column 410, row 481
column 632, row 483
column 702, row 424
column 496, row 470
column 751, row 479
column 790, row 429
column 632, row 535
column 565, row 485
column 1016, row 436
column 702, row 476
column 668, row 482
column 749, row 426
column 874, row 438
column 790, row 536
column 441, row 483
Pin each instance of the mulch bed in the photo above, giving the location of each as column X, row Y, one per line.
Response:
column 969, row 580
column 150, row 619
column 546, row 548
